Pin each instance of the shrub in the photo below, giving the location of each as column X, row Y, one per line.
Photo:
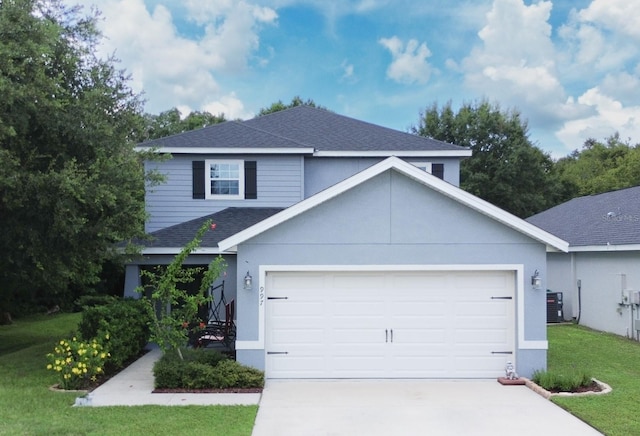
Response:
column 78, row 363
column 231, row 374
column 552, row 381
column 204, row 369
column 127, row 323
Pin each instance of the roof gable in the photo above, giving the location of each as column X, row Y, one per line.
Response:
column 607, row 220
column 304, row 129
column 552, row 242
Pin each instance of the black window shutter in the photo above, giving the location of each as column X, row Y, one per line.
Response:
column 250, row 180
column 438, row 170
column 198, row 179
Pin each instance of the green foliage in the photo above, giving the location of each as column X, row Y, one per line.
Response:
column 171, row 307
column 611, row 359
column 562, row 382
column 600, row 167
column 127, row 321
column 71, row 184
column 170, row 123
column 204, row 369
column 505, row 169
column 78, row 363
column 27, row 407
column 280, row 106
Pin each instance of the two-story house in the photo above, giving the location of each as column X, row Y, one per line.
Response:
column 351, row 251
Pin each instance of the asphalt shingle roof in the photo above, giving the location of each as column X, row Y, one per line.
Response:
column 610, row 218
column 228, row 222
column 304, row 126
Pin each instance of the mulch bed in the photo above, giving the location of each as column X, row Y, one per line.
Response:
column 209, row 391
column 593, row 387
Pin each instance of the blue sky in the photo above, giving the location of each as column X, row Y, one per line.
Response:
column 571, row 67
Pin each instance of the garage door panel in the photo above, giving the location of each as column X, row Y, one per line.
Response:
column 282, row 308
column 340, row 324
column 357, row 336
column 311, row 337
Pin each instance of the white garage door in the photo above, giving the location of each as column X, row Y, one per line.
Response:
column 424, row 324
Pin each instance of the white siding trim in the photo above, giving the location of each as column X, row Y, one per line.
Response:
column 522, row 343
column 388, row 153
column 176, row 250
column 604, row 248
column 227, row 150
column 418, row 175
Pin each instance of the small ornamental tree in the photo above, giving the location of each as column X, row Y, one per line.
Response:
column 172, row 308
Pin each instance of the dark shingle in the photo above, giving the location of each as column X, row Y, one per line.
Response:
column 327, row 131
column 609, row 218
column 230, row 134
column 303, row 126
column 228, row 222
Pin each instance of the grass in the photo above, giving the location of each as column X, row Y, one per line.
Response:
column 611, row 359
column 28, row 407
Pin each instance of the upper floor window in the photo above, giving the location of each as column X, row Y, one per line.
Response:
column 436, row 169
column 224, row 179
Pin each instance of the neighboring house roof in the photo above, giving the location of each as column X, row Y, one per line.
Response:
column 306, row 130
column 230, row 221
column 552, row 242
column 602, row 222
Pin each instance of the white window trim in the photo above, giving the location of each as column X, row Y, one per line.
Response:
column 207, row 179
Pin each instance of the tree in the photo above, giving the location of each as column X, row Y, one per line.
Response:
column 601, row 167
column 71, row 183
column 505, row 169
column 171, row 308
column 170, row 123
column 280, row 106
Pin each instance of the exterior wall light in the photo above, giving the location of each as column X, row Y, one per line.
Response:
column 248, row 281
column 536, row 281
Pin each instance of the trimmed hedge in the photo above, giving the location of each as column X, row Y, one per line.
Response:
column 127, row 323
column 204, row 369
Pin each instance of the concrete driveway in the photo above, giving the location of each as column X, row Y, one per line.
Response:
column 409, row 407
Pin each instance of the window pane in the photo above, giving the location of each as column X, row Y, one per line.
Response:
column 225, row 187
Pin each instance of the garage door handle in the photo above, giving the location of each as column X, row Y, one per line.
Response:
column 391, row 335
column 386, row 335
column 502, row 352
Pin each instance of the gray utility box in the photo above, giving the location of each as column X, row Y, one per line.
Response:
column 554, row 307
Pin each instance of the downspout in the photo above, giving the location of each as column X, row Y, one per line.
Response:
column 579, row 282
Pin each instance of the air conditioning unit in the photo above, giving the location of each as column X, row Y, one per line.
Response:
column 554, row 307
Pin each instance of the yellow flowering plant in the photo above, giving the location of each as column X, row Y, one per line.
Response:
column 78, row 363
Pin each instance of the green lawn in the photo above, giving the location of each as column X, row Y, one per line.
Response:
column 27, row 407
column 609, row 358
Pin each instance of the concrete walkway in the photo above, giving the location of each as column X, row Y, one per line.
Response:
column 409, row 407
column 133, row 386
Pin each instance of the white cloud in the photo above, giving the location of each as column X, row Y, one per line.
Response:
column 176, row 70
column 409, row 64
column 348, row 72
column 229, row 105
column 515, row 64
column 618, row 15
column 610, row 117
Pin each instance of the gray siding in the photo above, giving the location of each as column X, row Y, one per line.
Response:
column 321, row 173
column 279, row 180
column 392, row 220
column 601, row 275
